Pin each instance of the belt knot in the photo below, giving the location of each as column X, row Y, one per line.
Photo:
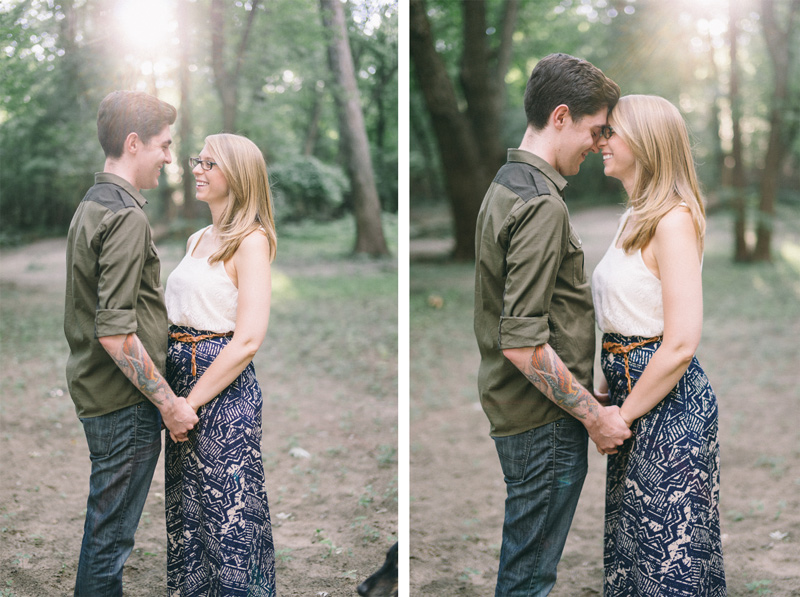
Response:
column 195, row 340
column 625, row 349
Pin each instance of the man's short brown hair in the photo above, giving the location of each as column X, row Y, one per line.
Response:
column 124, row 112
column 563, row 79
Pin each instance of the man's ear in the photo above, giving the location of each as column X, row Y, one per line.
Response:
column 559, row 116
column 132, row 143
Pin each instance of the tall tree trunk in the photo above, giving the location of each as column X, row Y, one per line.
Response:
column 424, row 184
column 736, row 163
column 470, row 143
column 384, row 77
column 369, row 231
column 781, row 49
column 483, row 79
column 465, row 172
column 225, row 76
column 312, row 131
column 186, row 147
column 715, row 122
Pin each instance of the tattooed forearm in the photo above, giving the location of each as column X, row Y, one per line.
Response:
column 549, row 374
column 137, row 366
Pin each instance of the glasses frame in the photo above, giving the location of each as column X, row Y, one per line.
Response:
column 204, row 164
column 606, row 132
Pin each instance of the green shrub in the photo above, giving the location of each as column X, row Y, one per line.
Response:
column 306, row 188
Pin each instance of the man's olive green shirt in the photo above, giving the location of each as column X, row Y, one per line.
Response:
column 113, row 287
column 530, row 289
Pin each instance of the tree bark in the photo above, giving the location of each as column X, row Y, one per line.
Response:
column 482, row 79
column 312, row 130
column 781, row 48
column 464, row 172
column 737, row 175
column 369, row 231
column 227, row 78
column 189, row 208
column 470, row 142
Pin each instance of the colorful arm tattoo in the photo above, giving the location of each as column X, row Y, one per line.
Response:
column 137, row 366
column 548, row 373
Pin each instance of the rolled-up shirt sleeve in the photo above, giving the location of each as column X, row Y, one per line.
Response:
column 121, row 244
column 537, row 233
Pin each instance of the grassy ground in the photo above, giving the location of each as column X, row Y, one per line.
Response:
column 749, row 350
column 329, row 372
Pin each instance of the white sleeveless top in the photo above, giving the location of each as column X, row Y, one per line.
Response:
column 200, row 295
column 627, row 295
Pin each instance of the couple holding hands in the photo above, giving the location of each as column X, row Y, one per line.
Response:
column 123, row 330
column 653, row 411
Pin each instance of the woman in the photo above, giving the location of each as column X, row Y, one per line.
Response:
column 218, row 299
column 662, row 534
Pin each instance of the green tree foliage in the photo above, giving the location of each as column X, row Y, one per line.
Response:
column 47, row 145
column 305, row 188
column 59, row 59
column 678, row 50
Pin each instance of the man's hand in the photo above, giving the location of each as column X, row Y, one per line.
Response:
column 608, row 430
column 179, row 418
column 131, row 357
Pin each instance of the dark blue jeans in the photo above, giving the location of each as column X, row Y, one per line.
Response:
column 544, row 470
column 124, row 447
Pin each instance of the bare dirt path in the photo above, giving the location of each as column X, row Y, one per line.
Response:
column 457, row 488
column 333, row 506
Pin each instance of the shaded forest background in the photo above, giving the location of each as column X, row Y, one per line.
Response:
column 729, row 65
column 267, row 69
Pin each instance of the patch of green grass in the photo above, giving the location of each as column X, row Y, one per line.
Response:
column 369, row 534
column 342, row 326
column 327, row 241
column 441, row 336
column 391, row 491
column 367, row 497
column 331, row 549
column 31, row 324
column 387, row 455
column 468, row 573
column 759, row 587
column 776, row 465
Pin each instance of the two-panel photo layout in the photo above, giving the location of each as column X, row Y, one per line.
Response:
column 431, row 298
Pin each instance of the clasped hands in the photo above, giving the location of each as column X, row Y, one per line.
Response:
column 609, row 430
column 179, row 419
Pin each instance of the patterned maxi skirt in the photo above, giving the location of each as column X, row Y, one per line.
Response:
column 219, row 538
column 662, row 535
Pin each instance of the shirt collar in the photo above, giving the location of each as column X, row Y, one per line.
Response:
column 526, row 157
column 108, row 177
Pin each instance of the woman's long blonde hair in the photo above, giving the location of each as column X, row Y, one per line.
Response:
column 249, row 204
column 665, row 176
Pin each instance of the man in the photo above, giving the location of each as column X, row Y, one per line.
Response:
column 534, row 323
column 116, row 326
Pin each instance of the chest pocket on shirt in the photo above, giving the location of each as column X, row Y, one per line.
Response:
column 575, row 256
column 152, row 266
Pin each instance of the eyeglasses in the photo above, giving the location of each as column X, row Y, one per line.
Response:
column 205, row 164
column 606, row 131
